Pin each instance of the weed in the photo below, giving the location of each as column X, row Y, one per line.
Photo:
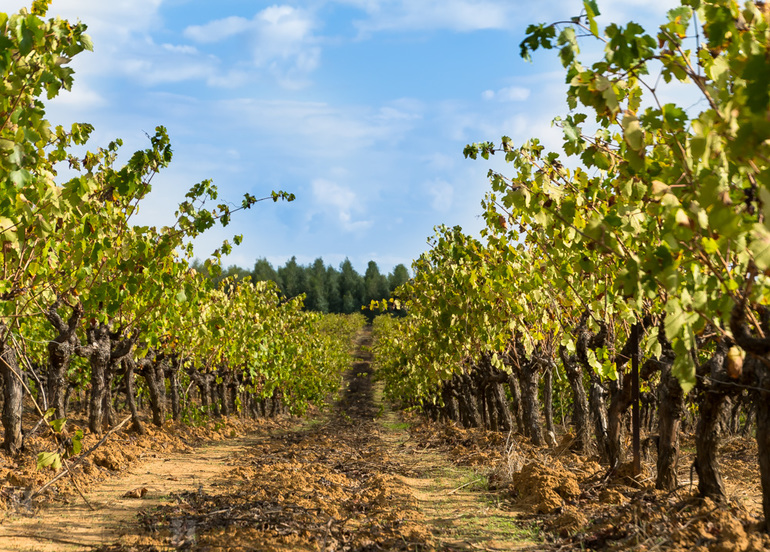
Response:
column 396, row 426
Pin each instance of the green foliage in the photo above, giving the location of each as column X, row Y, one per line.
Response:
column 49, row 460
column 71, row 247
column 659, row 211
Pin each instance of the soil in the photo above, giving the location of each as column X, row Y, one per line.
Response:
column 363, row 477
column 578, row 505
column 353, row 478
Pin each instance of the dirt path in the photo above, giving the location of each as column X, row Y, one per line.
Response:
column 349, row 481
column 459, row 511
column 74, row 526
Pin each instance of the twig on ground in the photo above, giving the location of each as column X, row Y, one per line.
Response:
column 465, row 485
column 68, row 469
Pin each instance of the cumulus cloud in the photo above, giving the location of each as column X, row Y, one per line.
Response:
column 328, row 131
column 339, row 202
column 80, row 97
column 442, row 193
column 281, row 38
column 220, row 29
column 111, row 20
column 509, row 94
column 178, row 64
column 457, row 15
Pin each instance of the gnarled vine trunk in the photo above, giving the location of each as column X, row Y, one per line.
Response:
column 548, row 404
column 172, row 373
column 580, row 413
column 515, row 390
column 529, row 378
column 129, row 367
column 711, row 397
column 60, row 351
column 152, row 368
column 13, row 393
column 670, row 417
column 98, row 353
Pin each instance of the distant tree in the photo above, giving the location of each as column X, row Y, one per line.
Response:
column 375, row 284
column 198, row 266
column 263, row 271
column 351, row 287
column 326, row 288
column 400, row 275
column 333, row 290
column 293, row 278
column 316, row 287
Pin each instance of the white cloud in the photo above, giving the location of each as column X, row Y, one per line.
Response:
column 442, row 193
column 233, row 78
column 180, row 49
column 217, row 30
column 80, row 97
column 508, row 94
column 113, row 20
column 175, row 67
column 342, row 202
column 457, row 15
column 281, row 37
column 441, row 161
column 324, row 131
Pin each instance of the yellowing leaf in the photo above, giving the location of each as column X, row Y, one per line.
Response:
column 632, row 132
column 660, row 188
column 760, row 247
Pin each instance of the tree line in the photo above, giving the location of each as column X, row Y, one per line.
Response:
column 326, row 289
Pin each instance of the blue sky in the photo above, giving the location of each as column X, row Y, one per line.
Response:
column 359, row 107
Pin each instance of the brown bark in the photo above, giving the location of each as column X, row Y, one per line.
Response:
column 598, row 406
column 505, row 419
column 513, row 387
column 214, row 399
column 221, row 388
column 548, row 400
column 710, row 397
column 597, row 394
column 60, row 351
column 529, row 378
column 670, row 417
column 580, row 412
column 450, row 403
column 620, row 396
column 13, row 393
column 128, row 381
column 172, row 373
column 470, row 402
column 671, row 409
column 98, row 354
column 152, row 369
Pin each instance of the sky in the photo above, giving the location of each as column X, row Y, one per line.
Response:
column 361, row 108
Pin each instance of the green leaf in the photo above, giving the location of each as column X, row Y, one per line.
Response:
column 632, row 132
column 683, row 369
column 49, row 459
column 594, row 7
column 58, row 425
column 77, row 443
column 760, row 246
column 592, row 11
